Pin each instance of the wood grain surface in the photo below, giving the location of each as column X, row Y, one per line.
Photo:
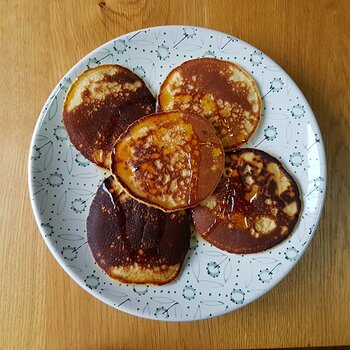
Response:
column 41, row 307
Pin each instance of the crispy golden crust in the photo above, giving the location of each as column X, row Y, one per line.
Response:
column 170, row 160
column 134, row 243
column 220, row 91
column 255, row 206
column 100, row 104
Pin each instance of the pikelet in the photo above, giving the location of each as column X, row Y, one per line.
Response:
column 169, row 160
column 100, row 104
column 134, row 243
column 220, row 91
column 255, row 206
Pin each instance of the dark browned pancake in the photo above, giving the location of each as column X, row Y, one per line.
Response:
column 135, row 243
column 170, row 160
column 100, row 104
column 255, row 206
column 220, row 91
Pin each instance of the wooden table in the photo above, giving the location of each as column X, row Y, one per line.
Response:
column 41, row 307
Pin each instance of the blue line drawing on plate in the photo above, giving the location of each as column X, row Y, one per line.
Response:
column 119, row 46
column 194, row 243
column 297, row 111
column 78, row 219
column 61, row 203
column 213, row 269
column 146, row 310
column 209, row 53
column 189, row 292
column 161, row 312
column 140, row 71
column 92, row 281
column 296, row 159
column 256, row 58
column 237, row 296
column 40, row 138
column 276, row 85
column 63, row 86
column 318, row 185
column 74, row 268
column 37, row 192
column 163, row 52
column 48, row 228
column 85, row 175
column 69, row 253
column 265, row 276
column 291, row 254
column 37, row 184
column 133, row 36
column 60, row 133
column 81, row 191
column 212, row 302
column 164, row 312
column 48, row 156
column 124, row 301
column 140, row 290
column 265, row 260
column 78, row 205
column 317, row 140
column 71, row 237
column 227, row 270
column 270, row 133
column 274, row 69
column 81, row 161
column 82, row 245
column 289, row 133
column 198, row 313
column 188, row 33
column 138, row 40
column 55, row 179
column 37, row 150
column 211, row 284
column 195, row 266
column 53, row 108
column 37, row 153
column 163, row 300
column 231, row 39
column 98, row 61
column 69, row 159
column 212, row 253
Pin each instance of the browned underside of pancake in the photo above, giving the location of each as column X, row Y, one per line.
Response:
column 220, row 91
column 94, row 125
column 256, row 205
column 170, row 160
column 134, row 243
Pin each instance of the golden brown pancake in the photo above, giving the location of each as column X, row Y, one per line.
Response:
column 135, row 243
column 220, row 91
column 255, row 206
column 170, row 160
column 100, row 104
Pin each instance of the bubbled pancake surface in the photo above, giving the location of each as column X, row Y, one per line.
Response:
column 135, row 243
column 218, row 90
column 255, row 206
column 171, row 160
column 100, row 104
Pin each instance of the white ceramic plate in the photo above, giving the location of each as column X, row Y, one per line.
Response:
column 62, row 183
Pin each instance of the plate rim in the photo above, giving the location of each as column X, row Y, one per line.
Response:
column 100, row 297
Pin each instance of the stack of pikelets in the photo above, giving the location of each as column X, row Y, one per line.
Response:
column 173, row 162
